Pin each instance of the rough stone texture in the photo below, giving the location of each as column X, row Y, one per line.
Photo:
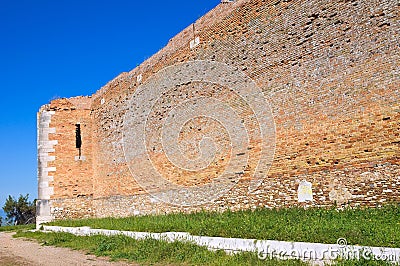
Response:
column 330, row 72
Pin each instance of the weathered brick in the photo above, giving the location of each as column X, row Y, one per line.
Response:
column 330, row 72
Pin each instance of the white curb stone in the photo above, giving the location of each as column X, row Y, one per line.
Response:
column 265, row 248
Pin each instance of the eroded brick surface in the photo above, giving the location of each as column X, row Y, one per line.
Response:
column 330, row 72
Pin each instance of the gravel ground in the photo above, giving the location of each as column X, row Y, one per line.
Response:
column 17, row 251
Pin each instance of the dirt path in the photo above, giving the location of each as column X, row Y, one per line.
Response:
column 16, row 251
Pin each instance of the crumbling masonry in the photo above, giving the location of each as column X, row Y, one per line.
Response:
column 330, row 74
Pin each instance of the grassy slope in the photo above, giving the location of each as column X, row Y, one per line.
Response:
column 150, row 251
column 154, row 252
column 369, row 227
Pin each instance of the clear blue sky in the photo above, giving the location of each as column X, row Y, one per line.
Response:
column 68, row 48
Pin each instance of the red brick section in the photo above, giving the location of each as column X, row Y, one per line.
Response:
column 330, row 70
column 74, row 176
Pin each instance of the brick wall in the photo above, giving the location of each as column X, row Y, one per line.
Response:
column 329, row 72
column 72, row 172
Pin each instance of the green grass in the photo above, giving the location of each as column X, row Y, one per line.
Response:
column 11, row 228
column 368, row 227
column 150, row 251
column 362, row 262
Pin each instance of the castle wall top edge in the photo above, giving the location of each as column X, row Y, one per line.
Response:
column 215, row 15
column 76, row 102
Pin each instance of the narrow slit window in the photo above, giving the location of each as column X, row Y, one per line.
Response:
column 78, row 138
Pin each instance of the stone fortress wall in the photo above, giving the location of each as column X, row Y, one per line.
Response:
column 330, row 75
